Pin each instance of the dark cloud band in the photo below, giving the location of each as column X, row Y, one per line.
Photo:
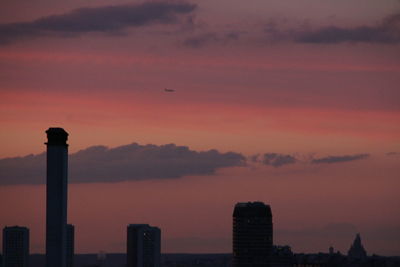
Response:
column 108, row 19
column 124, row 163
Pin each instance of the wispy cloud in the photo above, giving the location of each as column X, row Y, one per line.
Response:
column 278, row 160
column 201, row 40
column 339, row 159
column 387, row 31
column 123, row 163
column 107, row 19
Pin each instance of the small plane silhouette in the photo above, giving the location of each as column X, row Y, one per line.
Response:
column 169, row 90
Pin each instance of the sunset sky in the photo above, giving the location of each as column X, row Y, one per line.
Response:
column 294, row 103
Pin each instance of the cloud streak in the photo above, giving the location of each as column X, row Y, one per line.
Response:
column 339, row 159
column 124, row 163
column 201, row 40
column 387, row 31
column 107, row 19
column 278, row 160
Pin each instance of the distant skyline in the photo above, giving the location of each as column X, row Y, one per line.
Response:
column 292, row 103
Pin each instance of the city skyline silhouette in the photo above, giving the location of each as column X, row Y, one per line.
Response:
column 290, row 103
column 252, row 231
column 226, row 159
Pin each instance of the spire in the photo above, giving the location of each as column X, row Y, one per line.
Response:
column 357, row 250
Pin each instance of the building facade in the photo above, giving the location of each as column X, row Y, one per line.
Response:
column 143, row 246
column 252, row 235
column 56, row 197
column 15, row 246
column 70, row 245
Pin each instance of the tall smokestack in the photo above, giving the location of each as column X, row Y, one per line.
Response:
column 56, row 197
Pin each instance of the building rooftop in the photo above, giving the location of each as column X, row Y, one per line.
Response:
column 15, row 227
column 56, row 136
column 141, row 226
column 247, row 209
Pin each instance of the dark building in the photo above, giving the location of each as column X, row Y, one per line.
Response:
column 70, row 245
column 143, row 246
column 56, row 197
column 282, row 256
column 252, row 235
column 15, row 246
column 357, row 250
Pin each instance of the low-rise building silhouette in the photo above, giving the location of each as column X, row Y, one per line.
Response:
column 15, row 246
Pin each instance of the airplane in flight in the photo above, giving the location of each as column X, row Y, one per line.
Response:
column 169, row 90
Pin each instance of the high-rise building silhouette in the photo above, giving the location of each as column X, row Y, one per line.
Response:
column 15, row 246
column 70, row 245
column 252, row 235
column 56, row 197
column 143, row 246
